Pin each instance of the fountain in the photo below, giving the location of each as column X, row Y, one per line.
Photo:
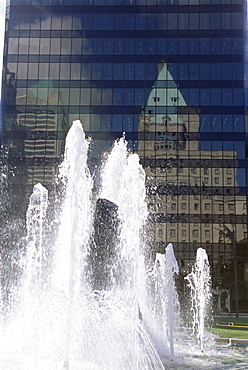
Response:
column 200, row 284
column 87, row 301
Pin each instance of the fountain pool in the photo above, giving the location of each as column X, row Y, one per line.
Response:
column 87, row 301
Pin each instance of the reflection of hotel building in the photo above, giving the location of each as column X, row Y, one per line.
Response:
column 98, row 61
column 191, row 193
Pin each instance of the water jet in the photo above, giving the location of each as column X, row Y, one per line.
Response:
column 90, row 303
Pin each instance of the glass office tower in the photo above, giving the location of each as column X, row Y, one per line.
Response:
column 172, row 75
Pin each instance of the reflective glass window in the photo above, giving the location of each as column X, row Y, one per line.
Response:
column 118, row 71
column 98, row 46
column 87, row 22
column 77, row 21
column 172, row 46
column 162, row 21
column 35, row 21
column 97, row 71
column 204, row 21
column 227, row 97
column 237, row 21
column 241, row 176
column 109, row 21
column 87, row 46
column 239, row 123
column 205, row 71
column 194, row 71
column 227, row 123
column 240, row 148
column 106, row 96
column 24, row 21
column 117, row 122
column 183, row 21
column 215, row 20
column 193, row 46
column 55, row 45
column 85, row 96
column 128, row 97
column 108, row 46
column 43, row 70
column 64, row 71
column 215, row 71
column 150, row 46
column 66, row 46
column 226, row 21
column 216, row 123
column 76, row 46
column 151, row 23
column 44, row 45
column 45, row 22
column 129, row 71
column 117, row 96
column 183, row 72
column 67, row 22
column 172, row 21
column 119, row 21
column 98, row 22
column 129, row 46
column 96, row 96
column 119, row 46
column 139, row 71
column 161, row 46
column 75, row 71
column 141, row 21
column 193, row 21
column 238, row 97
column 22, row 71
column 204, row 96
column 238, row 71
column 216, row 46
column 54, row 71
column 127, row 122
column 204, row 46
column 183, row 46
column 74, row 96
column 106, row 122
column 56, row 22
column 226, row 46
column 86, row 71
column 107, row 71
column 140, row 46
column 34, row 46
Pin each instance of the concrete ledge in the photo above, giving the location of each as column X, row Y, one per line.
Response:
column 231, row 341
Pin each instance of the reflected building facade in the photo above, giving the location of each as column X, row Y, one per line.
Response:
column 172, row 75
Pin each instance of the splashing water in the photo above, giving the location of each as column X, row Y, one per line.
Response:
column 63, row 323
column 86, row 302
column 200, row 284
column 165, row 305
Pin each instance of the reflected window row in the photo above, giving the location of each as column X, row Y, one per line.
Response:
column 133, row 97
column 129, row 21
column 127, row 46
column 121, row 2
column 130, row 71
column 129, row 122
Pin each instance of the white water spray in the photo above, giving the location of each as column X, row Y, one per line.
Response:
column 200, row 284
column 76, row 217
column 65, row 324
column 165, row 305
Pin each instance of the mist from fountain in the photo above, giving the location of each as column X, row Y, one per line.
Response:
column 199, row 281
column 56, row 319
column 87, row 301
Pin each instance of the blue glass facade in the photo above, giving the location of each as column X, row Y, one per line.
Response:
column 170, row 74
